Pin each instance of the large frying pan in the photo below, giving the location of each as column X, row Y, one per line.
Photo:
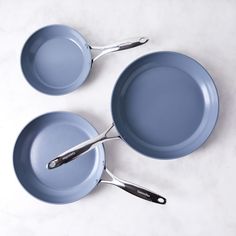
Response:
column 164, row 105
column 46, row 136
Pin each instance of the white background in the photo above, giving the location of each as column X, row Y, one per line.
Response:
column 200, row 187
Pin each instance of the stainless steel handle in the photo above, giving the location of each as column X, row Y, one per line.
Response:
column 131, row 43
column 134, row 189
column 80, row 149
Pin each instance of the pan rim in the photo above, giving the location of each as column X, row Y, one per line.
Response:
column 114, row 98
column 87, row 57
column 99, row 150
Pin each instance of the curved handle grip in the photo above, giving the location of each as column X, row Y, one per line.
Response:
column 119, row 46
column 134, row 189
column 74, row 152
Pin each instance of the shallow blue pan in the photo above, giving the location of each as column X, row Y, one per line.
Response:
column 57, row 59
column 164, row 105
column 52, row 133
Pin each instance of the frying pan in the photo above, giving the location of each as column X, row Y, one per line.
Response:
column 73, row 181
column 164, row 105
column 56, row 59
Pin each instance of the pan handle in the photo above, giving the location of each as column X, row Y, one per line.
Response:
column 131, row 43
column 134, row 189
column 81, row 148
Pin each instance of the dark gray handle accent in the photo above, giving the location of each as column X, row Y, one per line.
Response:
column 132, row 44
column 143, row 193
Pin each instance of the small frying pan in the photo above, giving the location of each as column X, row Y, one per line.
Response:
column 57, row 59
column 164, row 105
column 73, row 181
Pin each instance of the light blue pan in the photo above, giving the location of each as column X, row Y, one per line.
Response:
column 49, row 135
column 57, row 59
column 164, row 105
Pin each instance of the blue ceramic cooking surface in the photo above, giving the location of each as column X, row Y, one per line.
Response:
column 165, row 105
column 56, row 59
column 47, row 136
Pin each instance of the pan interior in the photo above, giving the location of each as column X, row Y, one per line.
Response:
column 56, row 59
column 43, row 139
column 163, row 106
column 160, row 104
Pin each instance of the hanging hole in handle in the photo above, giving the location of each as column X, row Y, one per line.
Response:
column 161, row 200
column 143, row 40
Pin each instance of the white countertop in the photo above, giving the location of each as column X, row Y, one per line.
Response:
column 200, row 188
